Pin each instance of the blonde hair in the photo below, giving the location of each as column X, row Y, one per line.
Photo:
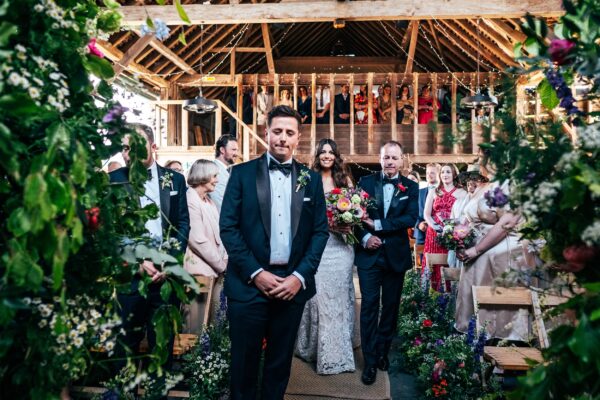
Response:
column 201, row 172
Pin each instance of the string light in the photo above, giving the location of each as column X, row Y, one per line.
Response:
column 272, row 47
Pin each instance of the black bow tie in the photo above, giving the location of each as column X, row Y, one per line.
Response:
column 285, row 169
column 393, row 181
column 150, row 174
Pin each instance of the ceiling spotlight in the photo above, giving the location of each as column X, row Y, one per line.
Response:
column 339, row 23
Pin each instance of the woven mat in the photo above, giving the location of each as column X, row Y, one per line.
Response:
column 305, row 384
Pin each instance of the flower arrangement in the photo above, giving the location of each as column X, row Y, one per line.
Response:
column 347, row 207
column 303, row 179
column 455, row 235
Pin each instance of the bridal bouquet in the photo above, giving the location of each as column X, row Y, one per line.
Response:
column 455, row 235
column 347, row 207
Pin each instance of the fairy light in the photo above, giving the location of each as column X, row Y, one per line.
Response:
column 272, row 47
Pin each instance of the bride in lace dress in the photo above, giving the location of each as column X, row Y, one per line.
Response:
column 326, row 330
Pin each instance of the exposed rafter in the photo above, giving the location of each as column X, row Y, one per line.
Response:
column 414, row 35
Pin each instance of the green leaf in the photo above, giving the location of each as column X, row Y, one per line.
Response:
column 181, row 38
column 57, row 139
column 18, row 222
column 150, row 23
column 184, row 276
column 35, row 186
column 78, row 171
column 548, row 95
column 595, row 315
column 98, row 66
column 59, row 258
column 573, row 193
column 532, row 46
column 22, row 268
column 18, row 105
column 165, row 291
column 105, row 90
column 160, row 2
column 112, row 4
column 6, row 31
column 181, row 12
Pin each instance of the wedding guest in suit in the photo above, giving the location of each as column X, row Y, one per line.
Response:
column 174, row 165
column 166, row 189
column 225, row 155
column 384, row 256
column 205, row 254
column 341, row 106
column 432, row 171
column 264, row 103
column 274, row 227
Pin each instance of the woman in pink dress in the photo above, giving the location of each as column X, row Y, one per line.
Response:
column 438, row 207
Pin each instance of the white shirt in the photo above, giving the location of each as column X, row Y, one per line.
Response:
column 388, row 194
column 326, row 98
column 152, row 196
column 217, row 195
column 281, row 218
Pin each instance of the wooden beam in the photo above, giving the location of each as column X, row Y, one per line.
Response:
column 370, row 130
column 313, row 112
column 499, row 40
column 169, row 54
column 268, row 49
column 435, row 37
column 337, row 64
column 327, row 11
column 331, row 106
column 453, row 121
column 487, row 44
column 411, row 49
column 351, row 94
column 240, row 49
column 407, row 34
column 415, row 113
column 114, row 54
column 505, row 29
column 394, row 83
column 132, row 52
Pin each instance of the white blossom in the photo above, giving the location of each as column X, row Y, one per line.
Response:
column 34, row 92
column 589, row 138
column 567, row 160
column 591, row 234
column 14, row 79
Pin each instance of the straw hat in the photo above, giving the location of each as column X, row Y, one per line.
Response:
column 473, row 172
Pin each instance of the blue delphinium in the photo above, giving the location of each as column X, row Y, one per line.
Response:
column 478, row 351
column 563, row 91
column 160, row 30
column 496, row 197
column 471, row 331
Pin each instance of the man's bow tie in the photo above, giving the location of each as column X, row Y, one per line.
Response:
column 285, row 169
column 393, row 181
column 149, row 174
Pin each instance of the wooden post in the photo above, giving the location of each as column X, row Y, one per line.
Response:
column 174, row 113
column 246, row 143
column 254, row 116
column 491, row 91
column 438, row 134
column 218, row 123
column 185, row 134
column 313, row 112
column 331, row 106
column 474, row 140
column 239, row 105
column 416, row 113
column 394, row 83
column 453, row 113
column 232, row 64
column 276, row 89
column 296, row 91
column 370, row 133
column 351, row 94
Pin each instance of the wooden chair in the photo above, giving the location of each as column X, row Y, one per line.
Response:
column 448, row 274
column 514, row 358
column 418, row 252
column 207, row 285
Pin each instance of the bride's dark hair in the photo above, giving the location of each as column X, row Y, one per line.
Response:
column 341, row 177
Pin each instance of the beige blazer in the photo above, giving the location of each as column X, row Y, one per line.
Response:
column 205, row 254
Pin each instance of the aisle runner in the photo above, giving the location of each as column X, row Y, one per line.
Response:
column 305, row 384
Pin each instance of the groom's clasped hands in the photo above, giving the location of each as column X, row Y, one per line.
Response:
column 277, row 287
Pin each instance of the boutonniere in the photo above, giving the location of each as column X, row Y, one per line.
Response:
column 400, row 188
column 302, row 180
column 166, row 180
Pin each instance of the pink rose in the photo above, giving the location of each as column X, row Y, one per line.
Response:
column 559, row 50
column 461, row 231
column 93, row 49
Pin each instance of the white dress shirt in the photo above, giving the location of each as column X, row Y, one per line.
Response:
column 281, row 218
column 388, row 194
column 322, row 97
column 152, row 196
column 217, row 195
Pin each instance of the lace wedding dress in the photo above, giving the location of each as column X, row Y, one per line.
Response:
column 326, row 330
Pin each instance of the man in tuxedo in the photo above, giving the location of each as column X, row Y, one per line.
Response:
column 341, row 106
column 432, row 171
column 274, row 227
column 166, row 188
column 383, row 256
column 225, row 155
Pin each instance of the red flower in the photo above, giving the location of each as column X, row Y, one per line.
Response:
column 264, row 343
column 559, row 50
column 336, row 191
column 365, row 195
column 579, row 256
column 93, row 215
column 93, row 49
column 401, row 187
column 428, row 323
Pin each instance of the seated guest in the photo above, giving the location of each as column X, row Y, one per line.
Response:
column 361, row 107
column 426, row 100
column 323, row 99
column 341, row 106
column 384, row 103
column 497, row 250
column 205, row 254
column 305, row 105
column 226, row 152
column 174, row 165
column 404, row 107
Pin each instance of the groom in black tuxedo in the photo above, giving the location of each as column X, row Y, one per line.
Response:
column 383, row 256
column 166, row 188
column 274, row 227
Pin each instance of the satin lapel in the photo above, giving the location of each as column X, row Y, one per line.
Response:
column 379, row 193
column 396, row 196
column 297, row 198
column 165, row 198
column 263, row 192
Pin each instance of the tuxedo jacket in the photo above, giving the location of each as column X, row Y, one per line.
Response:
column 341, row 106
column 420, row 235
column 402, row 214
column 245, row 224
column 173, row 202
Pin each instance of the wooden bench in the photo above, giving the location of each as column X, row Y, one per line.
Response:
column 418, row 252
column 515, row 358
column 448, row 274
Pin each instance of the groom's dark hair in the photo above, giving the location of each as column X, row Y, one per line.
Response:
column 142, row 129
column 283, row 111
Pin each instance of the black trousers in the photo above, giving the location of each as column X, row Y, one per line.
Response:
column 249, row 323
column 379, row 284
